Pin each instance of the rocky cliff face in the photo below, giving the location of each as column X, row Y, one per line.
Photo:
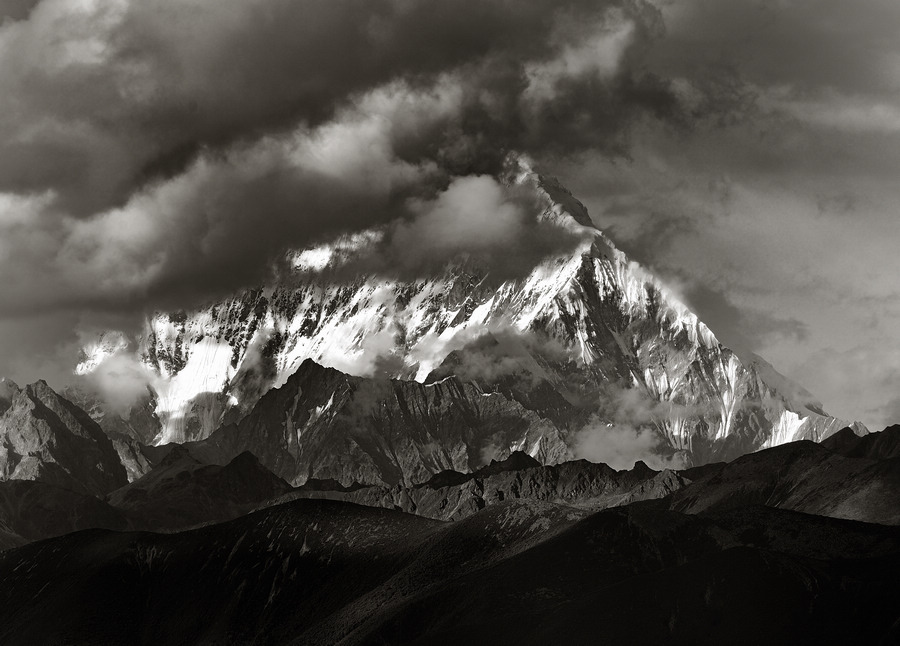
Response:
column 588, row 341
column 45, row 437
column 451, row 495
column 325, row 424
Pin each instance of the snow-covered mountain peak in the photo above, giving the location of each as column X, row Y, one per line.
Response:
column 586, row 322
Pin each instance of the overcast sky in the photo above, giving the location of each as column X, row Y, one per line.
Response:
column 162, row 153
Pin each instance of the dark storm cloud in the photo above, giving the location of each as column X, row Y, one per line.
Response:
column 825, row 65
column 153, row 154
column 16, row 9
column 101, row 96
column 808, row 44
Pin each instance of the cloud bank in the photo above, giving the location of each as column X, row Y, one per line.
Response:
column 157, row 154
column 627, row 429
column 154, row 154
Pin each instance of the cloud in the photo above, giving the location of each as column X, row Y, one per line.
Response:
column 121, row 380
column 825, row 44
column 596, row 54
column 153, row 155
column 100, row 97
column 374, row 357
column 16, row 9
column 625, row 429
column 831, row 110
column 621, row 445
column 475, row 215
column 489, row 356
column 489, row 226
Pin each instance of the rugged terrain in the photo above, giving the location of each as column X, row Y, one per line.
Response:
column 795, row 544
column 325, row 424
column 826, row 480
column 45, row 437
column 585, row 340
column 519, row 572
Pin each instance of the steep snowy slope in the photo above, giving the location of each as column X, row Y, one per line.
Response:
column 588, row 330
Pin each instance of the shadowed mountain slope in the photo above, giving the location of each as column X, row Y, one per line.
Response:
column 874, row 446
column 36, row 510
column 180, row 492
column 325, row 424
column 325, row 572
column 802, row 476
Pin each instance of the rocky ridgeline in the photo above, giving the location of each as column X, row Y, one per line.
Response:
column 451, row 495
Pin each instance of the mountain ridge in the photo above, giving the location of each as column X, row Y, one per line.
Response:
column 43, row 436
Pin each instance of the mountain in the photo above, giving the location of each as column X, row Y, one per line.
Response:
column 34, row 510
column 451, row 495
column 519, row 572
column 45, row 437
column 588, row 341
column 140, row 425
column 875, row 446
column 178, row 492
column 181, row 492
column 801, row 476
column 325, row 424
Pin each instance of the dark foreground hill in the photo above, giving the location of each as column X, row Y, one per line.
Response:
column 328, row 572
column 767, row 549
column 179, row 492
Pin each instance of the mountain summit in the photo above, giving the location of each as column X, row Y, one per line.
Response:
column 587, row 340
column 45, row 437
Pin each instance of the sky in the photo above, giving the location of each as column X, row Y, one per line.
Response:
column 159, row 154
